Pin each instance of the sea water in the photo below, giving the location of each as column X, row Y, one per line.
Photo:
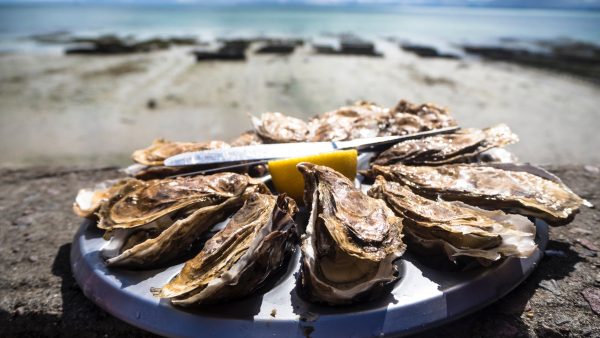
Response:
column 414, row 24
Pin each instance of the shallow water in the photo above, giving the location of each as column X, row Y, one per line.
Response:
column 421, row 24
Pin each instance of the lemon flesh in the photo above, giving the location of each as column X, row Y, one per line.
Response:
column 287, row 178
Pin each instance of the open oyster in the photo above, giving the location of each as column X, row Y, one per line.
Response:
column 238, row 259
column 88, row 201
column 162, row 149
column 518, row 189
column 351, row 240
column 152, row 222
column 457, row 229
column 463, row 145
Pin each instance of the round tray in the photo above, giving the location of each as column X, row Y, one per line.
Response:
column 423, row 298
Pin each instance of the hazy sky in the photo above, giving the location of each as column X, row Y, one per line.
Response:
column 495, row 3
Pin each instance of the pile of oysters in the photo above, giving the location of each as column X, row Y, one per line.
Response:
column 459, row 196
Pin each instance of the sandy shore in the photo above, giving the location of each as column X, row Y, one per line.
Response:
column 93, row 110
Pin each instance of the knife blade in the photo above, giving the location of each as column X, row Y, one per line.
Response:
column 265, row 152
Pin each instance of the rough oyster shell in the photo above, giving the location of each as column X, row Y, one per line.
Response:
column 430, row 116
column 237, row 260
column 457, row 229
column 351, row 240
column 88, row 200
column 515, row 190
column 362, row 119
column 141, row 202
column 151, row 222
column 462, row 146
column 162, row 149
column 247, row 138
column 278, row 128
column 152, row 172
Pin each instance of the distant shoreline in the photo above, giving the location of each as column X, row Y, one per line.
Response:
column 423, row 24
column 324, row 5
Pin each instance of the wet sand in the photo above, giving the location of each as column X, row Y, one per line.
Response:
column 93, row 110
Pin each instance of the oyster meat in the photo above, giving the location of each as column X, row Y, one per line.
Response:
column 457, row 229
column 522, row 189
column 152, row 222
column 351, row 240
column 162, row 149
column 463, row 145
column 237, row 260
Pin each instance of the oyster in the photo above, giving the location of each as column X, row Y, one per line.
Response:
column 457, row 229
column 351, row 240
column 363, row 119
column 151, row 172
column 88, row 201
column 278, row 128
column 520, row 189
column 162, row 149
column 360, row 120
column 152, row 222
column 429, row 117
column 462, row 146
column 246, row 139
column 238, row 259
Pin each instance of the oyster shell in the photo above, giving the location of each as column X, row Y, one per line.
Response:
column 429, row 116
column 515, row 191
column 362, row 119
column 462, row 146
column 457, row 229
column 278, row 128
column 351, row 240
column 238, row 259
column 152, row 222
column 246, row 139
column 162, row 149
column 152, row 172
column 88, row 200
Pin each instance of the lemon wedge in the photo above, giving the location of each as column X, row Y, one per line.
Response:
column 287, row 178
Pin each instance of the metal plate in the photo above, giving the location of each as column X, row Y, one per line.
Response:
column 423, row 298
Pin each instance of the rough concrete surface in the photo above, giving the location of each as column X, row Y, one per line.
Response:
column 39, row 297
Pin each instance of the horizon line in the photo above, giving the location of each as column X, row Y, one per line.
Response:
column 309, row 3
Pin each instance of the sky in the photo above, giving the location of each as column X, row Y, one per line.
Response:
column 593, row 4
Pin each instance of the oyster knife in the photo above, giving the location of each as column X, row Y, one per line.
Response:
column 265, row 152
